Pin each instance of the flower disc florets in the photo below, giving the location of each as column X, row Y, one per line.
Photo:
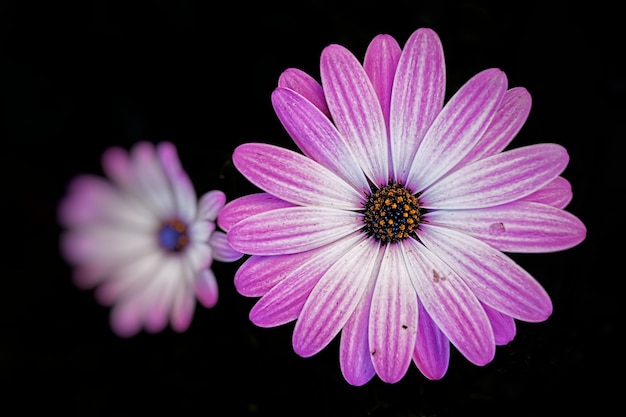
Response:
column 391, row 214
column 173, row 236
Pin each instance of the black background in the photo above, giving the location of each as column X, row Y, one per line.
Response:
column 79, row 77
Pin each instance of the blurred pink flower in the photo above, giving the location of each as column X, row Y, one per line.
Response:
column 389, row 229
column 142, row 238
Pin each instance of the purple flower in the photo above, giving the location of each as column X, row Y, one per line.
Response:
column 389, row 230
column 143, row 239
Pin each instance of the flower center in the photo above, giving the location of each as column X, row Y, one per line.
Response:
column 391, row 214
column 173, row 236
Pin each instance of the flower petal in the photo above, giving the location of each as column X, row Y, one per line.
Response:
column 210, row 205
column 450, row 303
column 393, row 318
column 305, row 85
column 90, row 199
column 283, row 302
column 246, row 206
column 432, row 347
column 183, row 308
column 206, row 288
column 457, row 128
column 291, row 230
column 380, row 63
column 418, row 96
column 152, row 185
column 498, row 179
column 355, row 359
column 503, row 325
column 258, row 274
column 557, row 193
column 222, row 251
column 506, row 123
column 493, row 277
column 335, row 297
column 317, row 137
column 356, row 110
column 183, row 192
column 293, row 177
column 521, row 226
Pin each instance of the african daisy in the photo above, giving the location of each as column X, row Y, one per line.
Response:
column 389, row 229
column 142, row 238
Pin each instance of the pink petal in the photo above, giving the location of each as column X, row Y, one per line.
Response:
column 128, row 279
column 493, row 277
column 506, row 123
column 356, row 111
column 222, row 251
column 206, row 288
column 283, row 302
column 210, row 205
column 457, row 128
column 380, row 63
column 183, row 308
column 293, row 177
column 418, row 96
column 125, row 319
column 90, row 199
column 355, row 358
column 305, row 85
column 335, row 297
column 450, row 303
column 152, row 185
column 292, row 229
column 317, row 137
column 503, row 326
column 432, row 347
column 498, row 179
column 246, row 206
column 184, row 195
column 393, row 318
column 258, row 274
column 557, row 193
column 520, row 226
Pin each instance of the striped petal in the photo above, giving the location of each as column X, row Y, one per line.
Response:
column 557, row 193
column 291, row 230
column 393, row 318
column 450, row 303
column 457, row 128
column 335, row 297
column 246, row 206
column 523, row 227
column 506, row 123
column 283, row 302
column 317, row 137
column 355, row 358
column 356, row 110
column 380, row 63
column 432, row 347
column 418, row 96
column 498, row 179
column 293, row 177
column 495, row 279
column 305, row 85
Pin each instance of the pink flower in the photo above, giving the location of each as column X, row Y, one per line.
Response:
column 389, row 229
column 141, row 237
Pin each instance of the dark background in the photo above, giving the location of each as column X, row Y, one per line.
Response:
column 78, row 77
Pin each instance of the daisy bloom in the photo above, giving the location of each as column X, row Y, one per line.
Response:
column 389, row 229
column 142, row 238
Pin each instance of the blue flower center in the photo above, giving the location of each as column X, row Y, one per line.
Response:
column 173, row 236
column 391, row 214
